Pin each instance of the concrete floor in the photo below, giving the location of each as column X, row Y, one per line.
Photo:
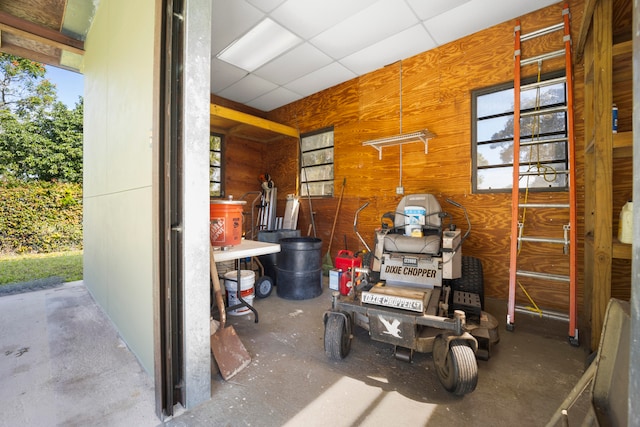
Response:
column 290, row 381
column 62, row 363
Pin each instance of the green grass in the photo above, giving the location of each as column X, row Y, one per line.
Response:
column 24, row 268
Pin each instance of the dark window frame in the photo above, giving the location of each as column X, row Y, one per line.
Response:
column 475, row 94
column 305, row 168
column 221, row 166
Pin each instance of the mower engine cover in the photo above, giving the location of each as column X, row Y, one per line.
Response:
column 412, row 270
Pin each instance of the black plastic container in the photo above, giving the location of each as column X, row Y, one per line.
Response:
column 270, row 261
column 299, row 268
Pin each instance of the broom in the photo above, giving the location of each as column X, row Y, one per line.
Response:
column 327, row 263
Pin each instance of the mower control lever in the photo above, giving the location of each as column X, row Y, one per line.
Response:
column 454, row 203
column 355, row 226
column 466, row 216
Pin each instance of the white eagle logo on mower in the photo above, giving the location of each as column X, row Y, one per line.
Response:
column 392, row 327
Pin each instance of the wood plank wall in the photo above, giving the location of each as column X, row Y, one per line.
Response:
column 622, row 94
column 436, row 94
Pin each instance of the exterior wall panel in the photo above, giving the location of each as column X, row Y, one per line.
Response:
column 118, row 70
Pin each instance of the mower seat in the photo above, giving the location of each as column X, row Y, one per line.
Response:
column 417, row 226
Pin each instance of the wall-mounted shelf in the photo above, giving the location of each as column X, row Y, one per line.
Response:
column 233, row 122
column 405, row 138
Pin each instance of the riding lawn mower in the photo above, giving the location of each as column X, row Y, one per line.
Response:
column 416, row 291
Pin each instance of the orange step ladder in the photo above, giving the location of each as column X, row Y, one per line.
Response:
column 569, row 239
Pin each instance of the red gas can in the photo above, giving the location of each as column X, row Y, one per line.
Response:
column 347, row 261
column 346, row 282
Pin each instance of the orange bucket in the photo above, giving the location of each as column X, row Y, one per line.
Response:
column 225, row 222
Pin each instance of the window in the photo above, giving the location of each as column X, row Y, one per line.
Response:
column 543, row 137
column 316, row 171
column 216, row 184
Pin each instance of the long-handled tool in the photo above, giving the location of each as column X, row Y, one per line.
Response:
column 327, row 264
column 228, row 350
column 306, row 180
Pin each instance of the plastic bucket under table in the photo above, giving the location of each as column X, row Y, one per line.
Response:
column 247, row 279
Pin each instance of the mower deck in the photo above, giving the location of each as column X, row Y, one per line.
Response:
column 392, row 315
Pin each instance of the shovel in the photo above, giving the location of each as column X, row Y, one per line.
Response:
column 327, row 263
column 230, row 354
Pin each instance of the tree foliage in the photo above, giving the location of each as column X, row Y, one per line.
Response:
column 40, row 138
column 40, row 217
column 533, row 126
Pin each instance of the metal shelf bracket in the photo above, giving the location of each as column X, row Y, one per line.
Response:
column 423, row 135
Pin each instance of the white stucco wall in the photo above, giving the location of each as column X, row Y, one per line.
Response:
column 118, row 70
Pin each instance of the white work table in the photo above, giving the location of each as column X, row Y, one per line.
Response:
column 246, row 249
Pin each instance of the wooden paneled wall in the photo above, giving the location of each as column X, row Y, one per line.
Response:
column 622, row 85
column 436, row 94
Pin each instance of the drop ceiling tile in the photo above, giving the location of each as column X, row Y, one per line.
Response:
column 477, row 15
column 321, row 79
column 274, row 99
column 264, row 5
column 250, row 87
column 224, row 75
column 371, row 25
column 352, row 31
column 309, row 18
column 230, row 20
column 429, row 9
column 293, row 64
column 400, row 46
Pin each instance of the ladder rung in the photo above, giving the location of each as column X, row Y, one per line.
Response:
column 542, row 57
column 545, row 313
column 548, row 276
column 543, row 111
column 543, row 83
column 542, row 141
column 555, row 172
column 542, row 32
column 545, row 205
column 543, row 240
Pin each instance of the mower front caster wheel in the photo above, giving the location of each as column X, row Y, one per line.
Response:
column 263, row 287
column 337, row 340
column 456, row 366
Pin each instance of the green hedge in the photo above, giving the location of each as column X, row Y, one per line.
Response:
column 40, row 217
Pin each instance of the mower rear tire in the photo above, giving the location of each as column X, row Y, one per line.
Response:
column 472, row 279
column 458, row 369
column 337, row 340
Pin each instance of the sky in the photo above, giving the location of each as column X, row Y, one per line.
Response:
column 69, row 85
